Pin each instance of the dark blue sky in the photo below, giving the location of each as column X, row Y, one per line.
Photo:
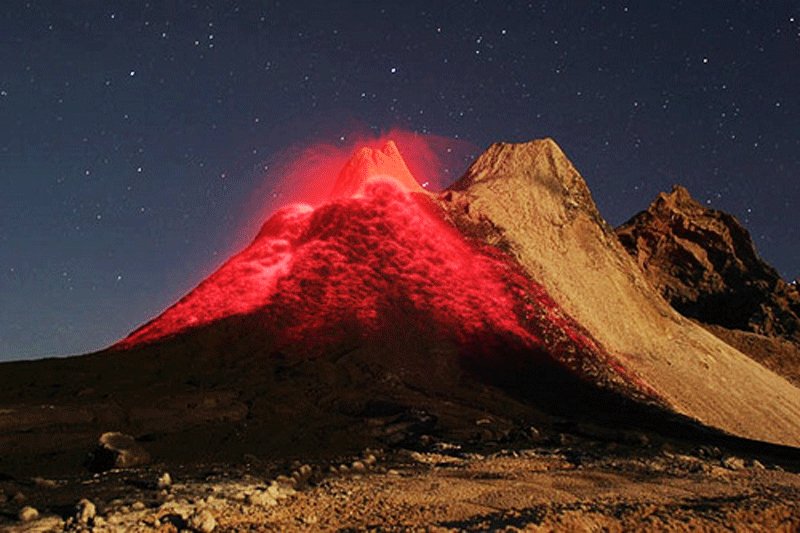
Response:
column 134, row 135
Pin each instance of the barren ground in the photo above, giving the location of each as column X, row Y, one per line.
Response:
column 567, row 482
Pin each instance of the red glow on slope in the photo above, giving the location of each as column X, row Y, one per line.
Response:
column 356, row 259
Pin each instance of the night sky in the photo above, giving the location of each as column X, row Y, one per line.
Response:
column 137, row 137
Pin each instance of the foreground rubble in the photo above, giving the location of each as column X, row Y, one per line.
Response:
column 581, row 484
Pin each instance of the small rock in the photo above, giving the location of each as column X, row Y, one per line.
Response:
column 358, row 467
column 165, row 481
column 44, row 483
column 301, row 476
column 370, row 460
column 85, row 511
column 733, row 463
column 263, row 499
column 392, row 472
column 18, row 497
column 28, row 514
column 117, row 450
column 138, row 506
column 203, row 521
column 286, row 481
column 758, row 465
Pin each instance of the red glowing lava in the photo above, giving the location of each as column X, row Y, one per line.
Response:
column 358, row 259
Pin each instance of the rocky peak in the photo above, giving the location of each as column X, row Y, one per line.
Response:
column 705, row 263
column 678, row 198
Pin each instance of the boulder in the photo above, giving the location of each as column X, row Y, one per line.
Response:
column 117, row 450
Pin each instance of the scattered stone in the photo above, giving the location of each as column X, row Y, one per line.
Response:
column 28, row 514
column 358, row 467
column 442, row 447
column 370, row 460
column 733, row 463
column 301, row 476
column 18, row 497
column 392, row 472
column 285, row 481
column 44, row 483
column 85, row 512
column 758, row 465
column 718, row 472
column 117, row 450
column 165, row 481
column 711, row 452
column 203, row 521
column 138, row 506
column 262, row 499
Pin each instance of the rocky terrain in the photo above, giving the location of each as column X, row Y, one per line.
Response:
column 704, row 262
column 584, row 477
column 483, row 357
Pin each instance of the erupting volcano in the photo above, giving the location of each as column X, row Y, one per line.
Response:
column 389, row 315
column 377, row 262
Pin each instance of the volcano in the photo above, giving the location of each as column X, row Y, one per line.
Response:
column 388, row 312
column 379, row 262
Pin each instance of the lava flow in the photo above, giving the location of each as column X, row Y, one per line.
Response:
column 371, row 250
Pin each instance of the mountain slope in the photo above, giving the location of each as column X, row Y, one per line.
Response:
column 530, row 200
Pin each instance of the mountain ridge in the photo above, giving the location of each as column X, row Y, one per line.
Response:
column 533, row 201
